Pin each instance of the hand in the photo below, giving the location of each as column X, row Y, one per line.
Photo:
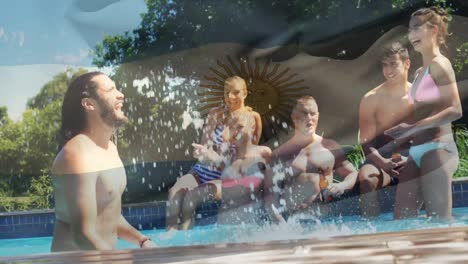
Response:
column 388, row 165
column 402, row 130
column 393, row 168
column 148, row 244
column 399, row 166
column 203, row 154
column 336, row 189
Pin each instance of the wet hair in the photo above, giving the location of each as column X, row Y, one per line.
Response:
column 436, row 17
column 73, row 113
column 395, row 48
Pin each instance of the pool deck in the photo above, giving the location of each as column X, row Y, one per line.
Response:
column 444, row 245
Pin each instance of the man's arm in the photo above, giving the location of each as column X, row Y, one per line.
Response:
column 129, row 233
column 368, row 133
column 343, row 168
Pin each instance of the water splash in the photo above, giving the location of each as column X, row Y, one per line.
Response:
column 191, row 117
column 140, row 84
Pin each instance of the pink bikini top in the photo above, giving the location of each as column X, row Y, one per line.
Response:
column 426, row 89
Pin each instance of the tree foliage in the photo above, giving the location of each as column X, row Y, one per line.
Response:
column 173, row 25
column 54, row 90
column 4, row 119
column 29, row 145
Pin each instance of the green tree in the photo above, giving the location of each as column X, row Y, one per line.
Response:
column 10, row 150
column 39, row 132
column 4, row 115
column 172, row 25
column 28, row 146
column 54, row 89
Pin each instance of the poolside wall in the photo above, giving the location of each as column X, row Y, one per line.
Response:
column 152, row 215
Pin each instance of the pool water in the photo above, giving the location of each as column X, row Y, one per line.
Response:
column 298, row 227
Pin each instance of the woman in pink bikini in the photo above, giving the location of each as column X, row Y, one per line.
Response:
column 427, row 177
column 241, row 180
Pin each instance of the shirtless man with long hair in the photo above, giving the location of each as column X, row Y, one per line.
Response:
column 88, row 175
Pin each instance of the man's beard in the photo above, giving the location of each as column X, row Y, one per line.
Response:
column 110, row 118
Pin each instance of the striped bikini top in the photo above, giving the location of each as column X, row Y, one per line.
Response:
column 205, row 172
column 425, row 90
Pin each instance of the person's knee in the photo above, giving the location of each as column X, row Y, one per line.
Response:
column 176, row 191
column 367, row 175
column 366, row 172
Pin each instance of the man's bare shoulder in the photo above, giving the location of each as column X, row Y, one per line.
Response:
column 75, row 156
column 283, row 148
column 372, row 96
column 331, row 144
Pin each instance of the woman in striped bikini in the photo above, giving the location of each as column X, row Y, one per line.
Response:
column 209, row 167
column 433, row 155
column 241, row 180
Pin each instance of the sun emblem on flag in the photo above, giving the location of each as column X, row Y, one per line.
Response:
column 272, row 90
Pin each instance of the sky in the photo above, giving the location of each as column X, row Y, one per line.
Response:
column 39, row 39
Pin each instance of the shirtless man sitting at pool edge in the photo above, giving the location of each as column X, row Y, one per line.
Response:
column 306, row 164
column 382, row 108
column 88, row 175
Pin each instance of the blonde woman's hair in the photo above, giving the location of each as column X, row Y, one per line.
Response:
column 232, row 79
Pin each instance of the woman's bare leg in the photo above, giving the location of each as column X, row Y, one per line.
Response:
column 437, row 169
column 173, row 208
column 176, row 198
column 194, row 198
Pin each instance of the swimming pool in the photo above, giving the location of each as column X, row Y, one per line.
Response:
column 298, row 227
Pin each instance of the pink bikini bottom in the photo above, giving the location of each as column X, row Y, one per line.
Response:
column 246, row 182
